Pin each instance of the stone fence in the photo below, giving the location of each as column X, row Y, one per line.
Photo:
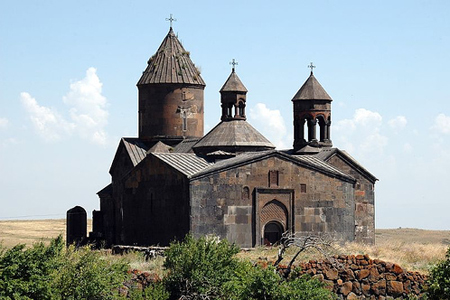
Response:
column 359, row 277
column 349, row 276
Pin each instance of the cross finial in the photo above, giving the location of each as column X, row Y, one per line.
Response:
column 311, row 66
column 233, row 62
column 171, row 19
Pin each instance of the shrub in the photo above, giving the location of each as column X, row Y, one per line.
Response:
column 439, row 282
column 28, row 274
column 53, row 272
column 256, row 282
column 198, row 268
column 85, row 274
column 207, row 269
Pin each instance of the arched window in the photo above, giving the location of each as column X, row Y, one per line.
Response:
column 245, row 193
column 241, row 109
column 323, row 128
column 230, row 110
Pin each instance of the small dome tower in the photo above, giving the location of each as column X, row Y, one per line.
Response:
column 233, row 96
column 233, row 135
column 312, row 107
column 170, row 95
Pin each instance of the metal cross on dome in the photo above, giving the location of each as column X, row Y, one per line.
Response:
column 171, row 19
column 311, row 66
column 233, row 63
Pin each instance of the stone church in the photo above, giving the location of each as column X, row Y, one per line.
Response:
column 232, row 182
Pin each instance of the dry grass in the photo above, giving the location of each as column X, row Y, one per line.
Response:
column 413, row 249
column 30, row 231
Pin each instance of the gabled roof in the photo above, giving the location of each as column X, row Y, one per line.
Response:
column 310, row 162
column 311, row 90
column 185, row 146
column 160, row 147
column 186, row 163
column 171, row 64
column 327, row 153
column 234, row 133
column 134, row 150
column 137, row 150
column 233, row 84
column 106, row 191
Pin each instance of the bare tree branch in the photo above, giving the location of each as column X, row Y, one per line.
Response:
column 321, row 243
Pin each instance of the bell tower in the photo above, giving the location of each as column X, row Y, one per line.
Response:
column 312, row 115
column 170, row 95
column 233, row 95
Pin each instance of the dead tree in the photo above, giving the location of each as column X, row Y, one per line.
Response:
column 321, row 243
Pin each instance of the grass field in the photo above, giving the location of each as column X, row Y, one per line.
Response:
column 29, row 231
column 413, row 249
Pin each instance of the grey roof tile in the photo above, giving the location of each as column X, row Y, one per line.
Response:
column 137, row 150
column 171, row 64
column 234, row 133
column 311, row 90
column 233, row 84
column 307, row 161
column 186, row 163
column 185, row 146
column 160, row 147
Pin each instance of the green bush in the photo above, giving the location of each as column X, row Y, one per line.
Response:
column 85, row 274
column 207, row 269
column 28, row 274
column 439, row 282
column 53, row 272
column 256, row 282
column 198, row 268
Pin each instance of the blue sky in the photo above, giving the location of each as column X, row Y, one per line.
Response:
column 68, row 72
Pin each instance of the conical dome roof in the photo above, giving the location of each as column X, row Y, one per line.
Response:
column 233, row 84
column 311, row 90
column 231, row 135
column 171, row 64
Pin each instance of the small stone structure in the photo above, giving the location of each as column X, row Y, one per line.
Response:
column 359, row 277
column 76, row 226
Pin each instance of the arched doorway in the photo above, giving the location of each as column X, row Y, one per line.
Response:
column 272, row 233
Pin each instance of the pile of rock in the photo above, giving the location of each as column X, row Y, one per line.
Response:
column 359, row 277
column 139, row 280
column 149, row 252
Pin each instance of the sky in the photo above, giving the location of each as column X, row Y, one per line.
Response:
column 68, row 74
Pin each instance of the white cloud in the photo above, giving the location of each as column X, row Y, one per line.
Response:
column 407, row 148
column 361, row 134
column 88, row 116
column 442, row 124
column 3, row 123
column 398, row 123
column 48, row 123
column 88, row 107
column 366, row 117
column 272, row 125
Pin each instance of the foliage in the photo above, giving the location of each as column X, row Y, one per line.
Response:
column 207, row 269
column 86, row 275
column 256, row 282
column 199, row 267
column 53, row 272
column 439, row 282
column 28, row 274
column 156, row 291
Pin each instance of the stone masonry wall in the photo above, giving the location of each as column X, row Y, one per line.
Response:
column 359, row 277
column 231, row 203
